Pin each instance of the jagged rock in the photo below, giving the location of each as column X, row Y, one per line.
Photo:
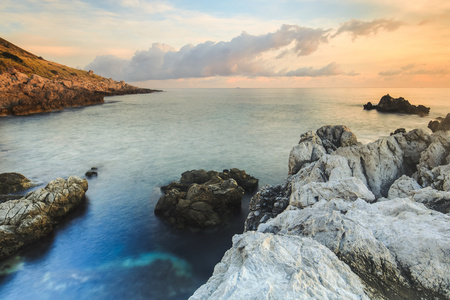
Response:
column 32, row 217
column 442, row 125
column 433, row 168
column 349, row 189
column 267, row 204
column 247, row 182
column 399, row 130
column 312, row 146
column 397, row 105
column 433, row 199
column 267, row 266
column 398, row 245
column 13, row 182
column 203, row 199
column 399, row 248
column 403, row 187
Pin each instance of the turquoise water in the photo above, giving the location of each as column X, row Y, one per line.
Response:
column 113, row 246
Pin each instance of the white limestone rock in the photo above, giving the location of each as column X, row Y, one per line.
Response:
column 403, row 187
column 309, row 149
column 267, row 266
column 349, row 189
column 433, row 199
column 379, row 241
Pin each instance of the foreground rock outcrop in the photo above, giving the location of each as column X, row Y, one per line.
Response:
column 204, row 199
column 26, row 220
column 380, row 210
column 397, row 105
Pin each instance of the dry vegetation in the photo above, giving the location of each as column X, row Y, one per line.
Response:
column 15, row 57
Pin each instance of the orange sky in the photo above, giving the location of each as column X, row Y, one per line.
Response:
column 289, row 43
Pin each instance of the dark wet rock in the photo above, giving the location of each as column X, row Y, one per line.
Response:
column 440, row 125
column 26, row 220
column 266, row 204
column 399, row 130
column 397, row 105
column 203, row 199
column 13, row 182
column 92, row 172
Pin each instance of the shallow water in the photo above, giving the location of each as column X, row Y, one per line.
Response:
column 113, row 245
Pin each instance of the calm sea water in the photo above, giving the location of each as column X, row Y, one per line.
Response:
column 113, row 246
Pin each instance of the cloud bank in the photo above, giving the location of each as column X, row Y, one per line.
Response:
column 244, row 55
column 240, row 56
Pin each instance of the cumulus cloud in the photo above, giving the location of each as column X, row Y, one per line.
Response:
column 240, row 56
column 364, row 28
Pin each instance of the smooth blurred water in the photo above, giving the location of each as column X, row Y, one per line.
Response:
column 113, row 246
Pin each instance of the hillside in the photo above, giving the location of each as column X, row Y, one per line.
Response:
column 30, row 84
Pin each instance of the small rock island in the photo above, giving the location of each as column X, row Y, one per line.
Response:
column 397, row 105
column 204, row 199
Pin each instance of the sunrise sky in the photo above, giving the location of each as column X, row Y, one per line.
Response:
column 245, row 43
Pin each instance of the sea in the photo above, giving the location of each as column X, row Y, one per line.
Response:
column 113, row 246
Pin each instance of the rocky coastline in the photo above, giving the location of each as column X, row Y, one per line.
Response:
column 351, row 221
column 30, row 84
column 23, row 95
column 29, row 218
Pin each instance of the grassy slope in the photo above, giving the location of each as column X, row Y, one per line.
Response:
column 28, row 63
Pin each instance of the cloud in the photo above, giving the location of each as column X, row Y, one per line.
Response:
column 361, row 28
column 243, row 55
column 412, row 69
column 329, row 70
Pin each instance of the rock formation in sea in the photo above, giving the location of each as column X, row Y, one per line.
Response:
column 30, row 84
column 397, row 105
column 13, row 182
column 26, row 220
column 204, row 199
column 351, row 221
column 442, row 124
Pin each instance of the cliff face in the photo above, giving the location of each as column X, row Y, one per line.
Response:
column 30, row 84
column 380, row 211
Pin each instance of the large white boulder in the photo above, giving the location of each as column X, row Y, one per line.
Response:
column 268, row 266
column 380, row 242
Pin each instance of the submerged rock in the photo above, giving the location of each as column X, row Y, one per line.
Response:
column 397, row 247
column 397, row 105
column 32, row 217
column 204, row 199
column 13, row 182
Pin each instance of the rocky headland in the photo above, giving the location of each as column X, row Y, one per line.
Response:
column 30, row 84
column 25, row 220
column 351, row 221
column 397, row 105
column 204, row 199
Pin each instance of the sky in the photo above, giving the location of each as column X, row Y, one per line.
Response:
column 240, row 43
